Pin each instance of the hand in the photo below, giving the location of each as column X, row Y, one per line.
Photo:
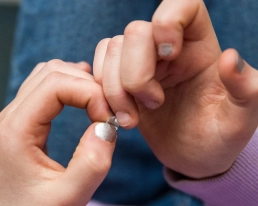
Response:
column 28, row 176
column 195, row 113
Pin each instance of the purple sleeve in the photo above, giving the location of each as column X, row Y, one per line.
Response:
column 238, row 186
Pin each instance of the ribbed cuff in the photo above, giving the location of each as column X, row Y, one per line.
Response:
column 237, row 187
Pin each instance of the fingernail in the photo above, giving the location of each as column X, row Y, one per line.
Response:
column 151, row 104
column 165, row 49
column 240, row 65
column 106, row 132
column 123, row 118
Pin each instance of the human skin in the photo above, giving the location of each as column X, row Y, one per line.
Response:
column 196, row 107
column 27, row 175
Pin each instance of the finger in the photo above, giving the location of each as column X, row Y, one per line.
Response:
column 138, row 65
column 40, row 72
column 46, row 101
column 240, row 80
column 84, row 66
column 121, row 103
column 177, row 21
column 239, row 77
column 90, row 163
column 99, row 57
column 52, row 66
column 81, row 65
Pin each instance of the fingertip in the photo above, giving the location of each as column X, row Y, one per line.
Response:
column 231, row 64
column 124, row 119
column 240, row 64
column 106, row 131
column 127, row 120
column 125, row 109
column 150, row 103
column 148, row 92
column 238, row 76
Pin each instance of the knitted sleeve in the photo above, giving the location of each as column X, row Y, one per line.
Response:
column 237, row 187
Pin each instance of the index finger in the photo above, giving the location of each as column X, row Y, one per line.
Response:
column 138, row 65
column 45, row 102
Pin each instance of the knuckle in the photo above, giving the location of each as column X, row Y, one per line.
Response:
column 116, row 41
column 195, row 4
column 53, row 77
column 165, row 19
column 53, row 65
column 103, row 43
column 137, row 28
column 40, row 65
column 133, row 86
column 115, row 45
column 114, row 94
column 98, row 162
column 162, row 22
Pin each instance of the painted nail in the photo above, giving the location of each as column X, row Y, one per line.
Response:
column 151, row 104
column 106, row 131
column 240, row 65
column 165, row 50
column 123, row 118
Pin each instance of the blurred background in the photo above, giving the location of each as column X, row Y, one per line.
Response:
column 8, row 13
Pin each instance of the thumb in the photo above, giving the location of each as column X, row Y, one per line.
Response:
column 239, row 109
column 240, row 79
column 90, row 163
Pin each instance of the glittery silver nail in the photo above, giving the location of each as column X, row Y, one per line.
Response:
column 106, row 131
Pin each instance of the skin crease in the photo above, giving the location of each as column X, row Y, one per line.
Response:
column 203, row 121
